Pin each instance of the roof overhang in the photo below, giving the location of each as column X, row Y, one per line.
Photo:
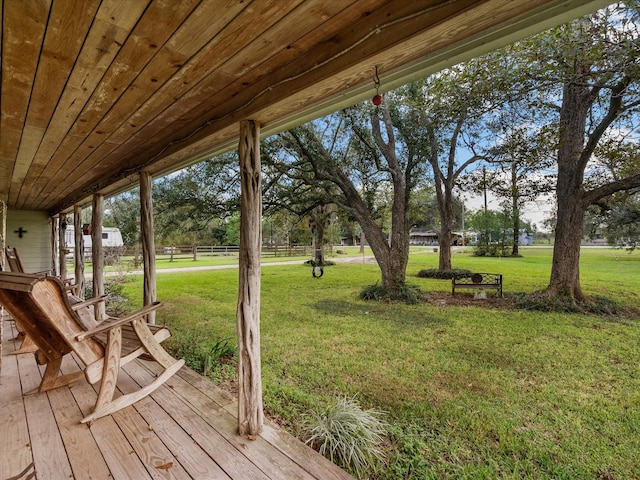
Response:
column 96, row 92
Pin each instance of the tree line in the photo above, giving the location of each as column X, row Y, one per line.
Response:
column 554, row 114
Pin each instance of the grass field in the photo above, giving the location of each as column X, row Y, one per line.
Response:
column 468, row 391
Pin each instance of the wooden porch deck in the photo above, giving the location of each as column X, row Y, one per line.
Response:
column 185, row 430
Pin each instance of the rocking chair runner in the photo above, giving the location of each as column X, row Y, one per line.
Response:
column 43, row 308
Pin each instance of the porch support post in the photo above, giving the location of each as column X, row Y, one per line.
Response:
column 62, row 246
column 78, row 250
column 3, row 243
column 148, row 242
column 53, row 267
column 97, row 256
column 250, row 409
column 3, row 232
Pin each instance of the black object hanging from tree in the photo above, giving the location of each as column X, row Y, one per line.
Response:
column 316, row 270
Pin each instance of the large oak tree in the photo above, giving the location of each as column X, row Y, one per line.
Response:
column 588, row 76
column 357, row 160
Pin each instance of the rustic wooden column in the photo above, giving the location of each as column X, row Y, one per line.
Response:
column 250, row 410
column 148, row 242
column 97, row 256
column 53, row 223
column 3, row 233
column 3, row 243
column 62, row 246
column 78, row 250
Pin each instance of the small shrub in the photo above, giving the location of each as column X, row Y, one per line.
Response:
column 406, row 293
column 220, row 353
column 185, row 344
column 198, row 357
column 326, row 263
column 347, row 435
column 117, row 303
column 566, row 304
column 374, row 292
column 443, row 274
column 604, row 306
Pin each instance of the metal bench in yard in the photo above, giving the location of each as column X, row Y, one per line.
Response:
column 477, row 281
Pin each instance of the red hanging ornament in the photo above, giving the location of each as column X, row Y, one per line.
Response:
column 377, row 98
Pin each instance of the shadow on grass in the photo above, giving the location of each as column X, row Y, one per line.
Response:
column 378, row 311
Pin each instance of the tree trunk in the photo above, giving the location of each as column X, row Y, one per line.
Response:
column 447, row 220
column 250, row 408
column 62, row 247
column 97, row 256
column 319, row 245
column 516, row 234
column 78, row 251
column 565, row 270
column 148, row 243
column 444, row 242
column 515, row 211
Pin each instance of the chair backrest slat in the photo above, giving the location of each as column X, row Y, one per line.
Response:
column 13, row 259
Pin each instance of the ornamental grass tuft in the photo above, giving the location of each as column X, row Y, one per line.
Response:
column 347, row 435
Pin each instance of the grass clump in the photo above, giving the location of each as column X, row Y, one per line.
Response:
column 348, row 435
column 444, row 274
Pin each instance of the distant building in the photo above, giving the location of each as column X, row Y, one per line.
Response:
column 422, row 236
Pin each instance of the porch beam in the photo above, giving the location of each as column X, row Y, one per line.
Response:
column 97, row 256
column 78, row 251
column 250, row 408
column 148, row 242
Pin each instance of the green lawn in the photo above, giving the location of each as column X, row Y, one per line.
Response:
column 470, row 392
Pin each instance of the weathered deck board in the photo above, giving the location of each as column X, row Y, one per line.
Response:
column 14, row 440
column 264, row 455
column 185, row 430
column 46, row 443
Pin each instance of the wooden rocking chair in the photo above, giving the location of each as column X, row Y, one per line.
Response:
column 15, row 265
column 43, row 308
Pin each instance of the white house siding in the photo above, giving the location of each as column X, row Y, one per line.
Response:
column 34, row 247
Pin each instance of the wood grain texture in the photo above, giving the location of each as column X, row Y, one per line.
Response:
column 95, row 91
column 148, row 243
column 46, row 443
column 15, row 447
column 97, row 253
column 262, row 453
column 184, row 430
column 78, row 251
column 194, row 460
column 232, row 462
column 250, row 409
column 82, row 450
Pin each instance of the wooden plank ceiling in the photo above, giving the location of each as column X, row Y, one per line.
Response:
column 93, row 91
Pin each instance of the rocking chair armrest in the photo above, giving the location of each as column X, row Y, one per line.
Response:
column 128, row 319
column 87, row 303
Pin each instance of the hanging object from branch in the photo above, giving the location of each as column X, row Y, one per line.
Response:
column 377, row 98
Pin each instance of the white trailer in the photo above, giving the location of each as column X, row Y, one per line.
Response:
column 111, row 237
